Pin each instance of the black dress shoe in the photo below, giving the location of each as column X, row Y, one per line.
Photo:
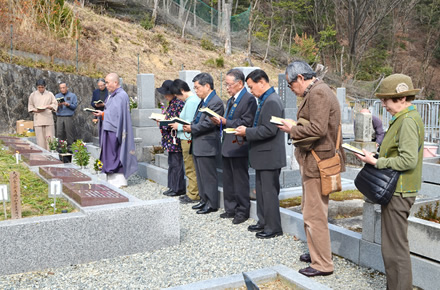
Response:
column 239, row 219
column 166, row 192
column 305, row 258
column 186, row 200
column 172, row 193
column 310, row 272
column 227, row 215
column 255, row 228
column 264, row 235
column 206, row 210
column 200, row 205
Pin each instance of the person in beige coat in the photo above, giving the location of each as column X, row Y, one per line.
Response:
column 42, row 104
column 321, row 108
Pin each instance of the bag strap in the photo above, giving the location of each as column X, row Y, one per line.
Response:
column 338, row 140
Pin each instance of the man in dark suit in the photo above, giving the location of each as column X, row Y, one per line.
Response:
column 267, row 154
column 241, row 108
column 205, row 144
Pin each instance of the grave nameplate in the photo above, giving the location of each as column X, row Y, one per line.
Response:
column 86, row 194
column 14, row 180
column 9, row 138
column 10, row 143
column 26, row 149
column 65, row 174
column 38, row 160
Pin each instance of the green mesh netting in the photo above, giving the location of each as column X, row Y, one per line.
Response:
column 210, row 15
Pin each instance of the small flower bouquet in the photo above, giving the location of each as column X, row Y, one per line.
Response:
column 97, row 165
column 81, row 155
column 63, row 146
column 53, row 143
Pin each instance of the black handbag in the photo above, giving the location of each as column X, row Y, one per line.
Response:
column 378, row 185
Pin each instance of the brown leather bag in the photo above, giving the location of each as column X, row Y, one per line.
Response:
column 330, row 170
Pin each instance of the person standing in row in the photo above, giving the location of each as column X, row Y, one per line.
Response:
column 65, row 112
column 401, row 150
column 171, row 143
column 320, row 108
column 42, row 104
column 182, row 91
column 267, row 154
column 117, row 139
column 241, row 108
column 205, row 144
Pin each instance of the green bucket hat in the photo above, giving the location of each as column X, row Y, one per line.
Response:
column 396, row 86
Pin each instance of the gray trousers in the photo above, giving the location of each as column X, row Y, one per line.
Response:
column 65, row 129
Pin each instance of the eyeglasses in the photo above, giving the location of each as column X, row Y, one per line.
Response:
column 289, row 85
column 230, row 85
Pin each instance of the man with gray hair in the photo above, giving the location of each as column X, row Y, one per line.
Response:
column 67, row 103
column 240, row 110
column 320, row 108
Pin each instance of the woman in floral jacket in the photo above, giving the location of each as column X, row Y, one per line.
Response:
column 170, row 143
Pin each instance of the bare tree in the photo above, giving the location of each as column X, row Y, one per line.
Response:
column 269, row 36
column 251, row 25
column 227, row 21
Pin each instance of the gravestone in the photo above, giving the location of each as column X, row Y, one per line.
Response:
column 86, row 194
column 188, row 76
column 363, row 130
column 14, row 181
column 65, row 174
column 25, row 149
column 143, row 127
column 39, row 160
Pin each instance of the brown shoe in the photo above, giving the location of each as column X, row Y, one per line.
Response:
column 305, row 258
column 310, row 272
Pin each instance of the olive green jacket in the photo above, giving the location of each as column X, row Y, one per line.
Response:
column 402, row 150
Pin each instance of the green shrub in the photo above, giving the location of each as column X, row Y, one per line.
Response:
column 160, row 38
column 207, row 44
column 210, row 62
column 220, row 62
column 147, row 23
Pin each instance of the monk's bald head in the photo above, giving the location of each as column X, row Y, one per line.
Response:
column 112, row 82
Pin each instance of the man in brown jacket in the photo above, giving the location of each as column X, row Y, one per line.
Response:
column 321, row 108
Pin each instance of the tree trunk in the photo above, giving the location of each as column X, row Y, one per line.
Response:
column 185, row 22
column 154, row 14
column 250, row 26
column 270, row 33
column 227, row 17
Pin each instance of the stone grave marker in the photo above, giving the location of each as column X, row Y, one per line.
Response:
column 86, row 194
column 363, row 128
column 39, row 160
column 65, row 174
column 26, row 149
column 14, row 181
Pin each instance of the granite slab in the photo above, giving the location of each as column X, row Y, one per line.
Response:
column 39, row 160
column 87, row 194
column 65, row 174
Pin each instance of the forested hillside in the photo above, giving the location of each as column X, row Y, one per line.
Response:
column 356, row 40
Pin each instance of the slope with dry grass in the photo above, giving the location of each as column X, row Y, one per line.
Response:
column 107, row 44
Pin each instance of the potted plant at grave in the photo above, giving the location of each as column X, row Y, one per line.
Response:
column 64, row 155
column 53, row 144
column 81, row 155
column 97, row 166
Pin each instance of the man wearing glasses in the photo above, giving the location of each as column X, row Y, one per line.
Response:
column 321, row 108
column 205, row 144
column 240, row 111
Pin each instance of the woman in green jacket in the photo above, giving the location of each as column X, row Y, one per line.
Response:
column 401, row 150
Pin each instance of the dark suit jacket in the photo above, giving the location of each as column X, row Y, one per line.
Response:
column 321, row 107
column 96, row 97
column 267, row 144
column 205, row 134
column 243, row 115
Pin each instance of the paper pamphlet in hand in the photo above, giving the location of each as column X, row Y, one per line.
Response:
column 91, row 110
column 157, row 117
column 41, row 108
column 277, row 120
column 98, row 102
column 173, row 120
column 230, row 131
column 60, row 100
column 352, row 149
column 209, row 112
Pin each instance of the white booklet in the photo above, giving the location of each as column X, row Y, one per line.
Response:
column 230, row 131
column 277, row 121
column 352, row 149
